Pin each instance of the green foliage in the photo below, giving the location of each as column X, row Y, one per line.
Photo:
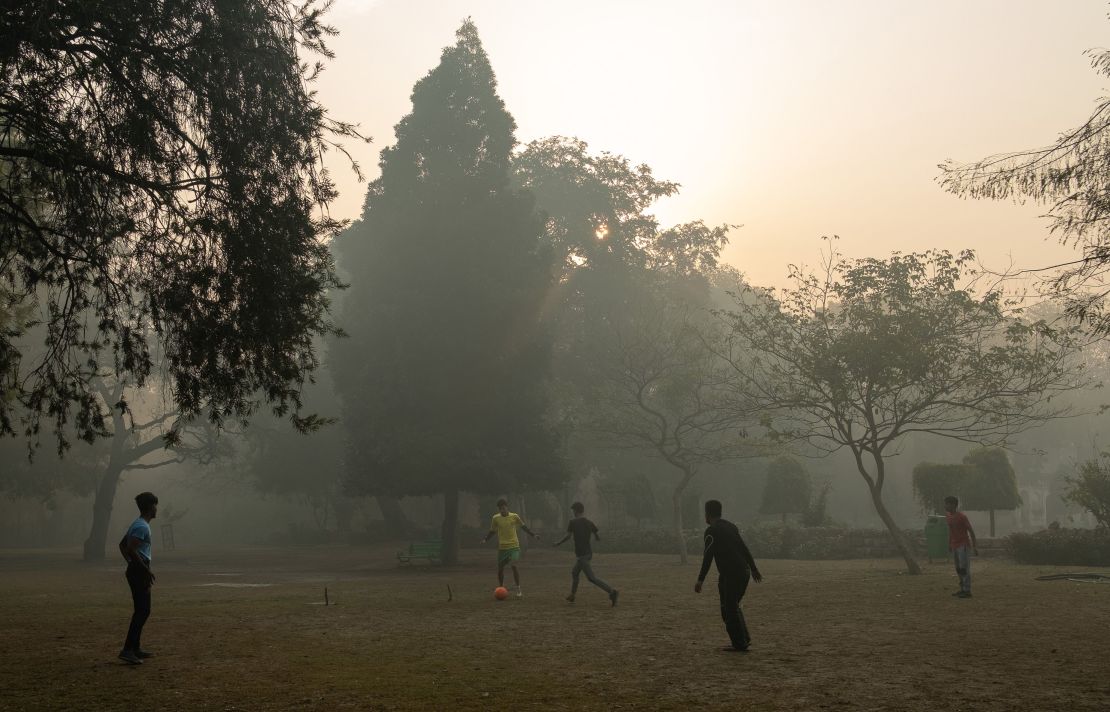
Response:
column 1072, row 176
column 282, row 464
column 876, row 348
column 632, row 490
column 765, row 542
column 788, row 487
column 644, row 541
column 632, row 364
column 649, row 379
column 992, row 484
column 543, row 506
column 933, row 482
column 1090, row 489
column 16, row 318
column 162, row 173
column 1061, row 547
column 275, row 461
column 444, row 379
column 985, row 481
column 595, row 204
column 596, row 208
column 873, row 349
column 819, row 543
column 45, row 476
column 816, row 511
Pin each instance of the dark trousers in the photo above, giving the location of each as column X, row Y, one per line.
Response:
column 582, row 566
column 732, row 589
column 139, row 581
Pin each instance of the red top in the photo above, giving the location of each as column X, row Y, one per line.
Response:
column 958, row 528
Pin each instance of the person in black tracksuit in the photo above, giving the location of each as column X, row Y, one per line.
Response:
column 736, row 568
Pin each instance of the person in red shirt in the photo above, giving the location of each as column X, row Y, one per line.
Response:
column 961, row 540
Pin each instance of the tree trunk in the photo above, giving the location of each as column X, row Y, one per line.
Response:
column 900, row 542
column 396, row 523
column 106, row 490
column 451, row 527
column 676, row 501
column 102, row 513
column 524, row 516
column 875, row 486
column 784, row 519
column 992, row 523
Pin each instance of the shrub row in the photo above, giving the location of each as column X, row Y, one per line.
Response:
column 1061, row 547
column 774, row 542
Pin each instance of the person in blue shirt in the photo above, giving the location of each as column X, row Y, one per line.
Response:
column 135, row 548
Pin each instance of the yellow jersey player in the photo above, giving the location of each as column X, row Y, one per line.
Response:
column 504, row 525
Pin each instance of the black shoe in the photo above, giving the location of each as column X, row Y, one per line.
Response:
column 130, row 658
column 140, row 653
column 963, row 594
column 570, row 598
column 613, row 597
column 732, row 649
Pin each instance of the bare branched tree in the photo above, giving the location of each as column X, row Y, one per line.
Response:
column 160, row 436
column 657, row 386
column 872, row 350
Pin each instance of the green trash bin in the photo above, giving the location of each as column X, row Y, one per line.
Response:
column 936, row 537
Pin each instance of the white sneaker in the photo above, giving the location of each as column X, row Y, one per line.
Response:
column 519, row 593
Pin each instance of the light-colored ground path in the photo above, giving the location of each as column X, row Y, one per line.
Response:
column 827, row 636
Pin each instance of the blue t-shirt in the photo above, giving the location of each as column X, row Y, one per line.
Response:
column 140, row 529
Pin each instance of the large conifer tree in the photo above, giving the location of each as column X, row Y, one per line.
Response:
column 443, row 378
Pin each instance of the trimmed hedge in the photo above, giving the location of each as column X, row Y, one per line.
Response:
column 766, row 542
column 823, row 543
column 644, row 541
column 1061, row 547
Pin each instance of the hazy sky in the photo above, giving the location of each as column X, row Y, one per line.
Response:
column 794, row 118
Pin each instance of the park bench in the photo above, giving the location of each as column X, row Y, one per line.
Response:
column 430, row 550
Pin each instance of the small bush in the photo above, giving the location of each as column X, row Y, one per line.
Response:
column 830, row 544
column 1061, row 547
column 820, row 543
column 1090, row 489
column 767, row 541
column 816, row 513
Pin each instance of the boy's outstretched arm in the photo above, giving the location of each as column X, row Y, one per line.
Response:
column 974, row 541
column 528, row 531
column 561, row 540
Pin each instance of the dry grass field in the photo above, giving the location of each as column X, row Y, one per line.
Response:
column 826, row 636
